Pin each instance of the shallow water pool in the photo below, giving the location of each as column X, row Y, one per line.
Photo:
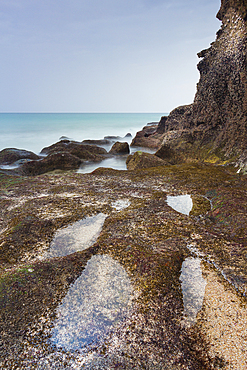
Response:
column 193, row 288
column 76, row 237
column 180, row 203
column 95, row 304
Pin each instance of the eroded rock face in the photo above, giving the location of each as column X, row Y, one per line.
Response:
column 120, row 148
column 217, row 118
column 214, row 127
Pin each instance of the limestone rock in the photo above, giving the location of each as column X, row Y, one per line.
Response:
column 120, row 148
column 141, row 160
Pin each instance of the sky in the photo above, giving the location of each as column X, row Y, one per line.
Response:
column 102, row 55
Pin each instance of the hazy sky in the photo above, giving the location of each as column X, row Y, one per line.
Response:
column 102, row 55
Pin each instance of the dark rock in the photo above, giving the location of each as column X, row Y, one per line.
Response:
column 97, row 142
column 147, row 138
column 11, row 155
column 141, row 160
column 128, row 135
column 57, row 161
column 120, row 148
column 168, row 154
column 64, row 138
column 112, row 138
column 83, row 151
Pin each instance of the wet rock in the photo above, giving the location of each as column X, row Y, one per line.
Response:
column 147, row 138
column 11, row 155
column 128, row 135
column 201, row 205
column 143, row 160
column 82, row 151
column 150, row 241
column 57, row 161
column 168, row 154
column 97, row 142
column 120, row 148
column 23, row 234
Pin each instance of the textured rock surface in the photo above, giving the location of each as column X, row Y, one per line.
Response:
column 150, row 240
column 120, row 148
column 97, row 142
column 147, row 137
column 82, row 151
column 56, row 161
column 11, row 155
column 214, row 127
column 143, row 160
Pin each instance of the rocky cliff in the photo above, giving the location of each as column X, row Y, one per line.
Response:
column 214, row 127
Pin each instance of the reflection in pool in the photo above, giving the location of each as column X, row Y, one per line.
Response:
column 181, row 203
column 98, row 300
column 193, row 287
column 76, row 237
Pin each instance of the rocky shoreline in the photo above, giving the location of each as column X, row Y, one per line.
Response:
column 169, row 286
column 64, row 155
column 151, row 241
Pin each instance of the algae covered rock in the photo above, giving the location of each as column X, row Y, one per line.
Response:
column 11, row 155
column 57, row 161
column 201, row 205
column 82, row 151
column 141, row 160
column 168, row 154
column 120, row 148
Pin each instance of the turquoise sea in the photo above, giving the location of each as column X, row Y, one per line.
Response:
column 34, row 131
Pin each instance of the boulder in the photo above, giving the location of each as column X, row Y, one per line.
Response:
column 120, row 148
column 11, row 155
column 147, row 138
column 57, row 161
column 141, row 160
column 83, row 151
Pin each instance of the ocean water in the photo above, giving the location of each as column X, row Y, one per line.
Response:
column 34, row 131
